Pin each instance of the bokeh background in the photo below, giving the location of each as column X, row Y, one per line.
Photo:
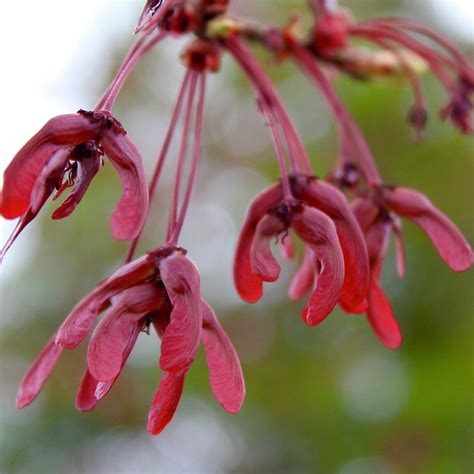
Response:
column 329, row 399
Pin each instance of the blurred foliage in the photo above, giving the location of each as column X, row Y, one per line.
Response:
column 322, row 400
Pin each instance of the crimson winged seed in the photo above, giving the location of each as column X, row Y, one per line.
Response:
column 446, row 237
column 264, row 264
column 165, row 401
column 19, row 181
column 107, row 346
column 332, row 202
column 131, row 212
column 37, row 375
column 225, row 373
column 183, row 334
column 103, row 388
column 319, row 233
column 381, row 318
column 112, row 335
column 21, row 174
column 77, row 325
column 48, row 178
column 42, row 189
column 85, row 397
column 248, row 285
column 379, row 312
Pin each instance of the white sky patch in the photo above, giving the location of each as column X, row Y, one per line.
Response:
column 457, row 16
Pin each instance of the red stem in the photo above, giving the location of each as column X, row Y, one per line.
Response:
column 265, row 90
column 433, row 58
column 425, row 31
column 182, row 155
column 196, row 156
column 136, row 53
column 366, row 162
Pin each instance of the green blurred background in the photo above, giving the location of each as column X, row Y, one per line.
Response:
column 329, row 399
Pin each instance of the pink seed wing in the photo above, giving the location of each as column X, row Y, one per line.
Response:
column 26, row 166
column 446, row 237
column 380, row 315
column 37, row 375
column 319, row 233
column 248, row 285
column 165, row 401
column 264, row 264
column 85, row 397
column 52, row 170
column 225, row 373
column 20, row 178
column 77, row 325
column 332, row 202
column 108, row 342
column 91, row 391
column 131, row 212
column 112, row 336
column 305, row 277
column 183, row 334
column 68, row 129
column 103, row 388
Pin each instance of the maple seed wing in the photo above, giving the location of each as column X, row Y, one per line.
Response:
column 39, row 372
column 20, row 177
column 248, row 285
column 165, row 402
column 381, row 318
column 264, row 264
column 85, row 397
column 225, row 373
column 77, row 325
column 26, row 166
column 183, row 334
column 332, row 202
column 131, row 212
column 319, row 233
column 112, row 335
column 446, row 237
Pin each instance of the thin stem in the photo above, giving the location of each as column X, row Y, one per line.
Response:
column 433, row 58
column 196, row 156
column 265, row 90
column 163, row 155
column 425, row 31
column 182, row 155
column 430, row 54
column 414, row 79
column 272, row 123
column 136, row 53
column 308, row 63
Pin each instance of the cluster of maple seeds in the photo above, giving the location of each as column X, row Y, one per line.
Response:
column 345, row 222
